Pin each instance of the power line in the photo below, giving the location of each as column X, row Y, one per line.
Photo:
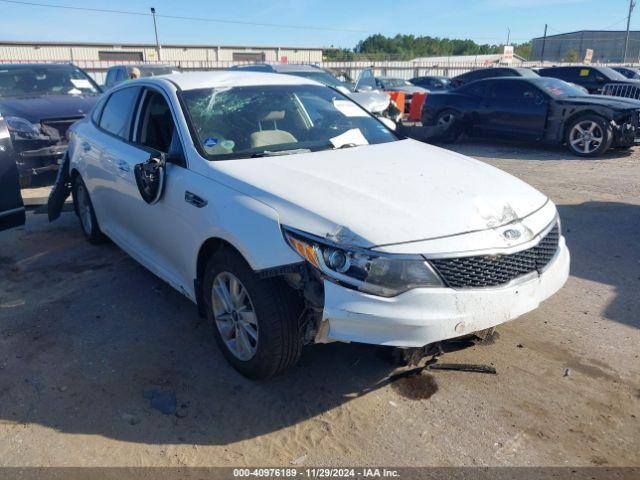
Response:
column 179, row 17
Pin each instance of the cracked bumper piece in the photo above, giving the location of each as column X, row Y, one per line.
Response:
column 46, row 159
column 421, row 316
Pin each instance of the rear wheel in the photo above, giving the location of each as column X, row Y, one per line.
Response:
column 449, row 121
column 589, row 136
column 86, row 214
column 256, row 320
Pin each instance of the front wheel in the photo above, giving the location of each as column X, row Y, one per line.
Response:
column 589, row 136
column 256, row 320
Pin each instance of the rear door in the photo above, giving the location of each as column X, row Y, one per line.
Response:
column 12, row 213
column 515, row 109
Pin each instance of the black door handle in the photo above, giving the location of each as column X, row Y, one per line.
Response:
column 194, row 199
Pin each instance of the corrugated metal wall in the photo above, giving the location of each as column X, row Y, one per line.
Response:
column 15, row 52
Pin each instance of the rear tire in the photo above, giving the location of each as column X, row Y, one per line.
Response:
column 449, row 120
column 589, row 136
column 259, row 331
column 84, row 210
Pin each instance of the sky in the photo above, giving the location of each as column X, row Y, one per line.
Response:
column 322, row 23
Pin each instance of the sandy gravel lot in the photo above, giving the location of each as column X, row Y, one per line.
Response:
column 87, row 336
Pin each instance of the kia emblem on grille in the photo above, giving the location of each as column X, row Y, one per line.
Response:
column 511, row 234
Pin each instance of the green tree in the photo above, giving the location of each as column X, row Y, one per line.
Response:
column 571, row 56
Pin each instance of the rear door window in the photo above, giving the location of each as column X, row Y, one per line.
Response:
column 118, row 112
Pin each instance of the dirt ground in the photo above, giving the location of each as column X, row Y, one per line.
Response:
column 92, row 346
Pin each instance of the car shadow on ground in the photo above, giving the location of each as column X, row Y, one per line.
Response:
column 90, row 341
column 517, row 150
column 604, row 240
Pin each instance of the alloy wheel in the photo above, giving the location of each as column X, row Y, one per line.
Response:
column 446, row 120
column 84, row 209
column 234, row 315
column 586, row 137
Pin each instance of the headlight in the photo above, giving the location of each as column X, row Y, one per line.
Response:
column 22, row 126
column 370, row 272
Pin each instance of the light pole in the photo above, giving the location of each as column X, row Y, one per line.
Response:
column 155, row 29
column 632, row 4
column 544, row 42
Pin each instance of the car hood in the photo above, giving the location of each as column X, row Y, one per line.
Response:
column 374, row 102
column 618, row 103
column 383, row 194
column 37, row 108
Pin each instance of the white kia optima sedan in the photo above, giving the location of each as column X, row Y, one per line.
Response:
column 292, row 216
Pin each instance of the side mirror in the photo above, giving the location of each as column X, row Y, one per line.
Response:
column 150, row 178
column 388, row 122
column 366, row 88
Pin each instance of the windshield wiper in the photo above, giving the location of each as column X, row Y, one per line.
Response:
column 275, row 153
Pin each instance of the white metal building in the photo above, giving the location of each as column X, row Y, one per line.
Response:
column 177, row 54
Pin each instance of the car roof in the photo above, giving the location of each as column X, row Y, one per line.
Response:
column 144, row 65
column 230, row 78
column 281, row 67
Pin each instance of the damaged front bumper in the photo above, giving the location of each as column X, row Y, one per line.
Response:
column 426, row 315
column 34, row 158
column 627, row 133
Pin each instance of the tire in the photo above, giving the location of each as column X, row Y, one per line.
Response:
column 85, row 212
column 589, row 136
column 271, row 310
column 25, row 182
column 451, row 118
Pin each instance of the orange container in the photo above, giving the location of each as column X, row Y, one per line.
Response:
column 415, row 110
column 398, row 98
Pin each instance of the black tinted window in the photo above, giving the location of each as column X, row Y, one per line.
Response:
column 475, row 88
column 118, row 111
column 570, row 74
column 514, row 90
column 156, row 123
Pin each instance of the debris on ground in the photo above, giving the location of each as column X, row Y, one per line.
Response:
column 130, row 418
column 299, row 460
column 567, row 372
column 162, row 400
column 463, row 367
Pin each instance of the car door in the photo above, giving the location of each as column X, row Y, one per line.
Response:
column 107, row 153
column 156, row 228
column 514, row 108
column 12, row 212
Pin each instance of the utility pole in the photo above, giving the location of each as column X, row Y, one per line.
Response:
column 544, row 42
column 632, row 4
column 155, row 29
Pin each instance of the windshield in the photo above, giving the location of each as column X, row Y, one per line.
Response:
column 255, row 121
column 612, row 74
column 395, row 82
column 560, row 88
column 15, row 82
column 155, row 71
column 322, row 77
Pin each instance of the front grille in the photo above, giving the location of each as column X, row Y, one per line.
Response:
column 492, row 270
column 58, row 127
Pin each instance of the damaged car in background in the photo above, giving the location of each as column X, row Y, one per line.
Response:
column 538, row 109
column 39, row 102
column 292, row 216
